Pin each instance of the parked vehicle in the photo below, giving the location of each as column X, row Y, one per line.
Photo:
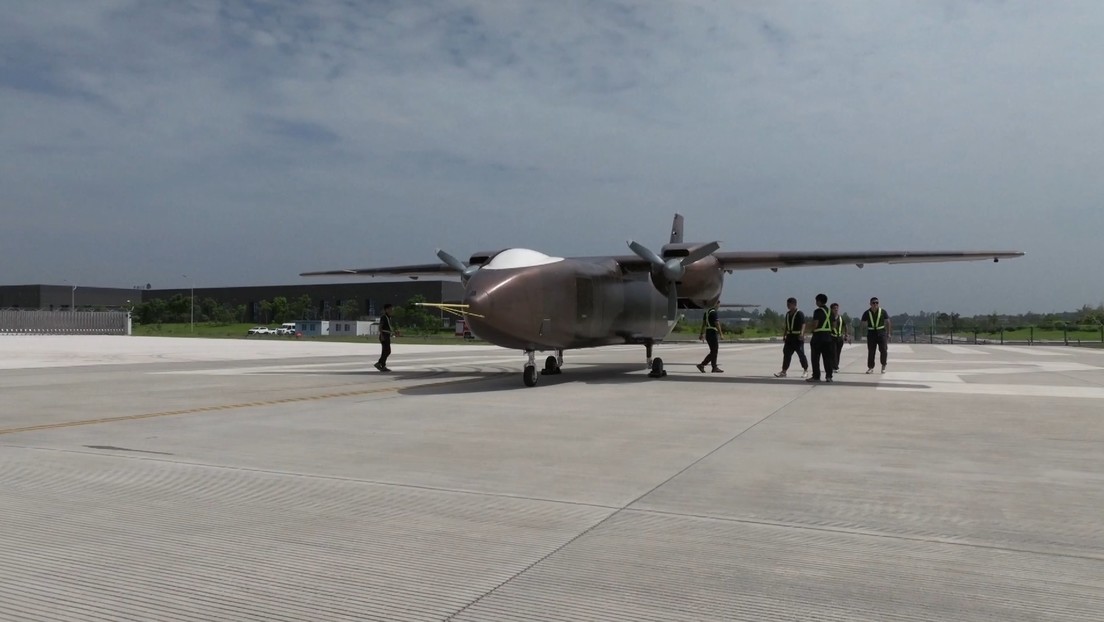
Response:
column 260, row 330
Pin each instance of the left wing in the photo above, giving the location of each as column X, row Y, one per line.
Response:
column 413, row 271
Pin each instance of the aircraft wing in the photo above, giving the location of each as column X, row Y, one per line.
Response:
column 728, row 261
column 754, row 260
column 413, row 271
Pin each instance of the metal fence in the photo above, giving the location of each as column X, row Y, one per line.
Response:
column 39, row 322
column 1067, row 335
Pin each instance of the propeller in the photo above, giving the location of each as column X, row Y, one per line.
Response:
column 673, row 268
column 466, row 272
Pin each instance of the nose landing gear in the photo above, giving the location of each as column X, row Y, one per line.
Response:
column 529, row 376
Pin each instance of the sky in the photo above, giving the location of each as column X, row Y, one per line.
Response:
column 243, row 142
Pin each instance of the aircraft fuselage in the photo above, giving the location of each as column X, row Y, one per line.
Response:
column 561, row 304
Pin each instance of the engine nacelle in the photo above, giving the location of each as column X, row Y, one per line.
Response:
column 700, row 286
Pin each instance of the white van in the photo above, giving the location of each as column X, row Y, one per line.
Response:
column 287, row 328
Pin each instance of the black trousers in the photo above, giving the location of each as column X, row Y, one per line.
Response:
column 839, row 351
column 385, row 351
column 793, row 344
column 876, row 341
column 714, row 343
column 823, row 346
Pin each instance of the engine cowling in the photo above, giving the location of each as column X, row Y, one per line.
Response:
column 700, row 286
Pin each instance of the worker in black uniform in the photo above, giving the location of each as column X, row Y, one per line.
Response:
column 387, row 330
column 793, row 338
column 712, row 334
column 822, row 344
column 875, row 321
column 839, row 331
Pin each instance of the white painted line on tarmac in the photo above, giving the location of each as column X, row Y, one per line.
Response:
column 1013, row 390
column 1032, row 350
column 961, row 350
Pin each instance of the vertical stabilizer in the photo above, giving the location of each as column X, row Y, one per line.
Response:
column 676, row 230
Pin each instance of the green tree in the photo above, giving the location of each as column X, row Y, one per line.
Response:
column 279, row 309
column 221, row 315
column 178, row 309
column 266, row 312
column 350, row 309
column 417, row 319
column 152, row 312
column 207, row 309
column 301, row 309
column 771, row 320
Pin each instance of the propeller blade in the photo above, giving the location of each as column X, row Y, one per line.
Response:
column 646, row 254
column 456, row 264
column 701, row 252
column 451, row 261
column 672, row 302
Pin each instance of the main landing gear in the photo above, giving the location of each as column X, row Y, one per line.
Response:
column 655, row 365
column 552, row 366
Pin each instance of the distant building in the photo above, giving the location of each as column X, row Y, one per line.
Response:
column 327, row 299
column 313, row 328
column 354, row 328
column 66, row 297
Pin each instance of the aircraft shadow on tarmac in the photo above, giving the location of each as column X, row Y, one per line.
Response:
column 486, row 381
column 451, row 381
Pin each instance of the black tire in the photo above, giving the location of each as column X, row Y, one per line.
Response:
column 530, row 376
column 657, row 368
column 550, row 366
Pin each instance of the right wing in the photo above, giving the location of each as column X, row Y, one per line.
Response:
column 774, row 261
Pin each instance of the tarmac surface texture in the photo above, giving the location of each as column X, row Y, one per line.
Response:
column 272, row 479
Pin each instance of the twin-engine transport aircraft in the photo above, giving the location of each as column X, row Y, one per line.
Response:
column 525, row 300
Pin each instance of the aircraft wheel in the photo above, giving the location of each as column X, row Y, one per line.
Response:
column 550, row 366
column 530, row 375
column 657, row 369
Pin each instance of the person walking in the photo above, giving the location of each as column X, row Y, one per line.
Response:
column 839, row 331
column 387, row 330
column 875, row 321
column 822, row 345
column 712, row 334
column 793, row 339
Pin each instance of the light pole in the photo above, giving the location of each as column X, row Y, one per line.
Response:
column 191, row 305
column 73, row 299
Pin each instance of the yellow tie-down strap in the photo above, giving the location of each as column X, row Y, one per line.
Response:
column 455, row 309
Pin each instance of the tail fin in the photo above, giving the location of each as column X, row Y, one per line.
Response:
column 676, row 230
